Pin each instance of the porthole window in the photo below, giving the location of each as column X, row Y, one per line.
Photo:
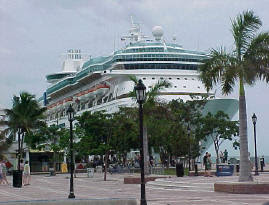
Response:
column 170, row 78
column 144, row 78
column 153, row 78
column 178, row 78
column 198, row 87
column 184, row 86
column 161, row 78
column 193, row 79
column 185, row 78
column 175, row 86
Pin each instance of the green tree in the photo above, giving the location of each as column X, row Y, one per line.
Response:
column 92, row 132
column 246, row 63
column 186, row 114
column 124, row 136
column 219, row 128
column 24, row 116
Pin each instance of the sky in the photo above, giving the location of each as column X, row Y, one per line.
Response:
column 35, row 33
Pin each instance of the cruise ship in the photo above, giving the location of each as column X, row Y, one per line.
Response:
column 103, row 83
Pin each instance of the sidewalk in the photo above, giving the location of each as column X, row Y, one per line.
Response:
column 172, row 191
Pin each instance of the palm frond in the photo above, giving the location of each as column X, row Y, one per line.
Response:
column 154, row 91
column 135, row 80
column 256, row 59
column 244, row 27
column 218, row 65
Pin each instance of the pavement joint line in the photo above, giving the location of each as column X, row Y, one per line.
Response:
column 55, row 200
column 8, row 194
column 193, row 190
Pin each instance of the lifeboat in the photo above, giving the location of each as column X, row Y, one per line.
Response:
column 102, row 89
column 98, row 90
column 67, row 101
column 53, row 107
column 59, row 105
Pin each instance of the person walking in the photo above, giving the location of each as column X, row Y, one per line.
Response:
column 221, row 157
column 26, row 174
column 21, row 165
column 204, row 162
column 208, row 165
column 4, row 173
column 1, row 171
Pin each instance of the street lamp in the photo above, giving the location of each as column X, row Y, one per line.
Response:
column 70, row 114
column 189, row 132
column 140, row 90
column 254, row 120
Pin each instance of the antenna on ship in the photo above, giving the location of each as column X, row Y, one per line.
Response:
column 135, row 32
column 174, row 38
column 132, row 21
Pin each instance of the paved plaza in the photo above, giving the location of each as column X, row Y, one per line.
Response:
column 172, row 191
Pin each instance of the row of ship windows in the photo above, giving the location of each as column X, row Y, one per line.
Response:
column 160, row 66
column 142, row 57
column 157, row 59
column 162, row 78
column 138, row 50
column 155, row 49
column 184, row 86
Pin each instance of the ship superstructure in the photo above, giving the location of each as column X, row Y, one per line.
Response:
column 103, row 83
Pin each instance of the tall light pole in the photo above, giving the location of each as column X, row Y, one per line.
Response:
column 140, row 90
column 254, row 120
column 70, row 114
column 189, row 152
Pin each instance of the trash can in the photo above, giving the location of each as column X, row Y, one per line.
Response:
column 179, row 170
column 17, row 178
column 196, row 170
column 90, row 172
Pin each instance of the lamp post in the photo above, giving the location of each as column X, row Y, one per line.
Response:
column 140, row 90
column 70, row 114
column 254, row 120
column 189, row 152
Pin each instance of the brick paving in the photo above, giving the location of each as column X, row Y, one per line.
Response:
column 172, row 191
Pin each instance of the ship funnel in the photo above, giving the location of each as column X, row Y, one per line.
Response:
column 73, row 60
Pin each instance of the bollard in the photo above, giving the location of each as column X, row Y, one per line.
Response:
column 196, row 170
column 179, row 170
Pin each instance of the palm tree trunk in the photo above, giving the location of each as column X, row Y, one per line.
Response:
column 245, row 174
column 21, row 146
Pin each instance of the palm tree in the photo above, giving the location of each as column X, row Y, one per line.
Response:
column 24, row 116
column 248, row 62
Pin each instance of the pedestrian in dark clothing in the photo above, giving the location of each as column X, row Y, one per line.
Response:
column 262, row 163
column 225, row 156
column 205, row 159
